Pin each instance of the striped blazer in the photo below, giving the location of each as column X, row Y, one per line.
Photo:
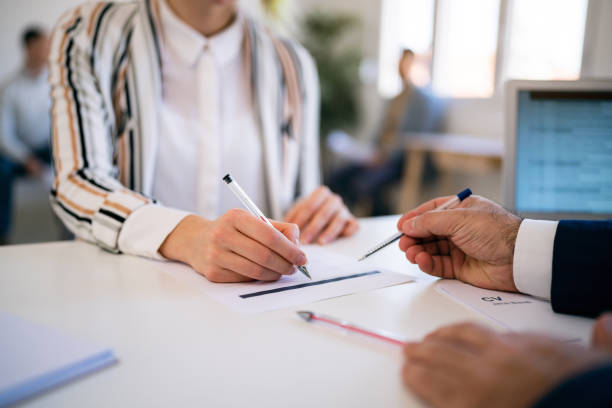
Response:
column 106, row 86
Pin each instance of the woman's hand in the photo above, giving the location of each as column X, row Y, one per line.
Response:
column 322, row 217
column 236, row 247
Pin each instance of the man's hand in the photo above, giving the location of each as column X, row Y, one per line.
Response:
column 236, row 247
column 467, row 365
column 322, row 217
column 473, row 242
column 602, row 333
column 34, row 167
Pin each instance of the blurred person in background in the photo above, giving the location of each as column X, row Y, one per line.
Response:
column 414, row 109
column 25, row 124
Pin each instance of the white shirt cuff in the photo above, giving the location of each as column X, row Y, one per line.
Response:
column 533, row 253
column 146, row 229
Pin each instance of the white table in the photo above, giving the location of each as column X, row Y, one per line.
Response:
column 177, row 347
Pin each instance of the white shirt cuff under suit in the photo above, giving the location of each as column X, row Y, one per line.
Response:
column 533, row 254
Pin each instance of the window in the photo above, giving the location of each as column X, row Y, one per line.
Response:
column 542, row 39
column 545, row 39
column 404, row 24
column 465, row 48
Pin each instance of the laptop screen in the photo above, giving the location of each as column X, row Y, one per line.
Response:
column 564, row 152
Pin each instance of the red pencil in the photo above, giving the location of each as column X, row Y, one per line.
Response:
column 378, row 334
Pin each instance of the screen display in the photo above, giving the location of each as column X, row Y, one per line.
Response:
column 564, row 152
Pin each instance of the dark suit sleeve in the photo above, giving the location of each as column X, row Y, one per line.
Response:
column 590, row 389
column 582, row 268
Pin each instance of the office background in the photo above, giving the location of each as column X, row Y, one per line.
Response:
column 578, row 31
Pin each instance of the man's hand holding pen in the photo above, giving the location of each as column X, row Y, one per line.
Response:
column 473, row 242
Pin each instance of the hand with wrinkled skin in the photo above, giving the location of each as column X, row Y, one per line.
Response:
column 473, row 242
column 470, row 366
column 322, row 217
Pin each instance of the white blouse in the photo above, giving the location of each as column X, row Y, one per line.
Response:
column 208, row 123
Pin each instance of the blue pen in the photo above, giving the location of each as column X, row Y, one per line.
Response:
column 449, row 204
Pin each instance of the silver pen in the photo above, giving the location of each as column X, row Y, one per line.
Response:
column 253, row 209
column 449, row 204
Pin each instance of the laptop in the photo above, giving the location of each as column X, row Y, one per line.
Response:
column 558, row 149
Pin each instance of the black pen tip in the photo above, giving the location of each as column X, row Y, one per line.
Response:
column 305, row 271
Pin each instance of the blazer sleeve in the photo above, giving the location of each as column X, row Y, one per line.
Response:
column 582, row 268
column 91, row 202
column 310, row 174
column 589, row 389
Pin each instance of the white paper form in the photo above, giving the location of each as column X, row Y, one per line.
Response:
column 332, row 275
column 518, row 312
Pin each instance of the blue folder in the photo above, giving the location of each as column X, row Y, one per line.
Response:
column 35, row 358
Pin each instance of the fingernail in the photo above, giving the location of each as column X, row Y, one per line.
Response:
column 306, row 238
column 301, row 259
column 323, row 240
column 410, row 224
